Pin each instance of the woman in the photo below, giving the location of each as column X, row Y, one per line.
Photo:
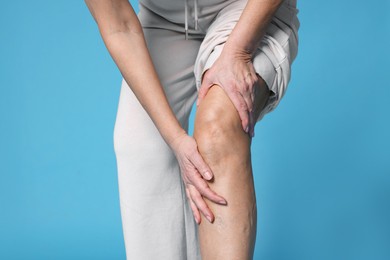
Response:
column 235, row 56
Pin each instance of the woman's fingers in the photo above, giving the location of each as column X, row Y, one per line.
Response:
column 204, row 189
column 249, row 103
column 204, row 88
column 240, row 95
column 191, row 165
column 237, row 77
column 195, row 210
column 252, row 124
column 200, row 183
column 200, row 203
column 201, row 166
column 242, row 108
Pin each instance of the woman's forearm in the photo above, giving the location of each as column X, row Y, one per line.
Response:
column 123, row 36
column 251, row 26
column 130, row 53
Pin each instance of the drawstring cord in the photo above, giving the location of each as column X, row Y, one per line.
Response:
column 196, row 14
column 186, row 16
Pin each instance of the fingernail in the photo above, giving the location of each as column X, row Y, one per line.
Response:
column 247, row 129
column 208, row 175
column 209, row 218
column 224, row 202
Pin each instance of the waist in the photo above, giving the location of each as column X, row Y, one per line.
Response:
column 189, row 13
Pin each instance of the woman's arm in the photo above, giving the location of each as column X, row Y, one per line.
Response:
column 251, row 26
column 233, row 70
column 123, row 36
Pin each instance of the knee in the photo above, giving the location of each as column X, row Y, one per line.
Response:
column 214, row 125
column 218, row 129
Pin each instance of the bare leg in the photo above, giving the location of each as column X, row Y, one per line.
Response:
column 226, row 148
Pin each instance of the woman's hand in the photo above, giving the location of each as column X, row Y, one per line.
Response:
column 194, row 172
column 233, row 71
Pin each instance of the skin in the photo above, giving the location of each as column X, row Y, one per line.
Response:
column 226, row 148
column 230, row 98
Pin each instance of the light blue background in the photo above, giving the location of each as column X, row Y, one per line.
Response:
column 321, row 159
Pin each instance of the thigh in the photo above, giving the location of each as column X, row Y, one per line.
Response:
column 173, row 58
column 272, row 60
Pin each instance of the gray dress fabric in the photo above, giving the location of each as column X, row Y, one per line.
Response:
column 156, row 217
